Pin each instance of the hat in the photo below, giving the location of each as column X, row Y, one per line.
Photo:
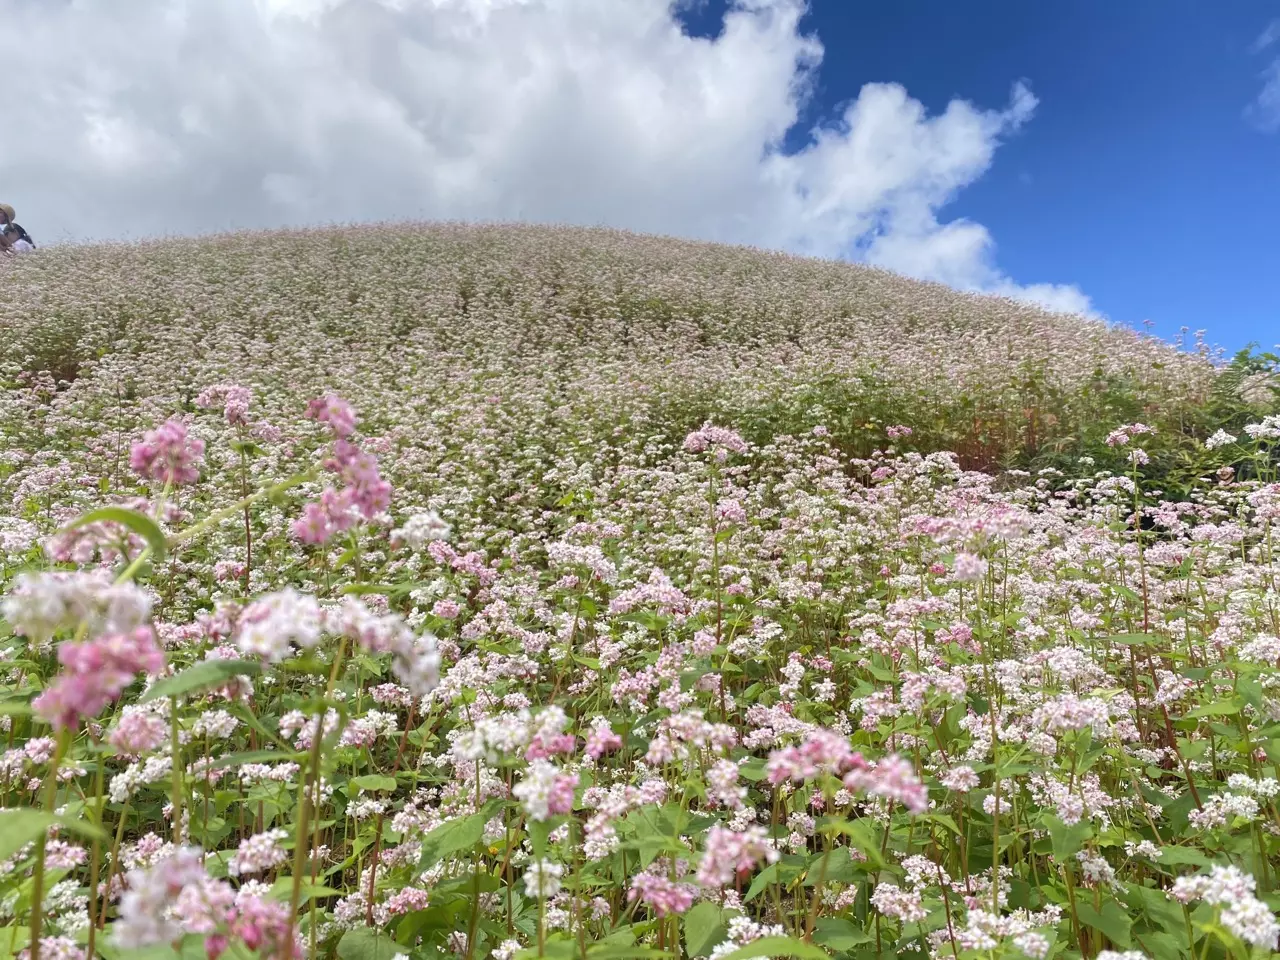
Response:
column 7, row 211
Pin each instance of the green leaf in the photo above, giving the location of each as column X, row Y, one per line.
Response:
column 282, row 889
column 202, row 676
column 1219, row 708
column 1182, row 855
column 704, row 928
column 838, row 934
column 20, row 827
column 762, row 879
column 1137, row 639
column 778, row 947
column 1112, row 921
column 1067, row 839
column 139, row 523
column 374, row 781
column 610, row 952
column 366, row 944
column 456, row 835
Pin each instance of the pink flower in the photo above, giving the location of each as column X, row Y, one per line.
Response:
column 560, row 800
column 662, row 895
column 168, row 455
column 138, row 731
column 823, row 751
column 263, row 926
column 446, row 609
column 235, row 401
column 728, row 854
column 601, row 741
column 708, row 436
column 893, row 778
column 334, row 411
column 96, row 673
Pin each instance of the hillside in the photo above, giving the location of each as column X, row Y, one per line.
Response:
column 453, row 592
column 432, row 331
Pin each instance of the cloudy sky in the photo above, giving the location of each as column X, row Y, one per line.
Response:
column 811, row 127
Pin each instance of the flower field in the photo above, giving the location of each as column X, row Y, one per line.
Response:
column 461, row 592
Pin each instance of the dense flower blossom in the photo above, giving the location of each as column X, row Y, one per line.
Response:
column 733, row 853
column 168, row 454
column 95, row 673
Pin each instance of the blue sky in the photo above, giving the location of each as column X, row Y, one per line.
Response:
column 1139, row 178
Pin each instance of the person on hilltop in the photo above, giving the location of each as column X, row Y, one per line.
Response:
column 13, row 238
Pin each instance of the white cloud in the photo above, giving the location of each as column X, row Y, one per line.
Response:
column 172, row 116
column 1267, row 37
column 1264, row 111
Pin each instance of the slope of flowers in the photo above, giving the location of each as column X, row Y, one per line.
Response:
column 582, row 330
column 506, row 658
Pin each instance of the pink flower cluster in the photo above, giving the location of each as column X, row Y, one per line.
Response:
column 364, row 494
column 660, row 894
column 730, row 853
column 602, row 740
column 823, row 751
column 97, row 672
column 234, row 399
column 708, row 436
column 893, row 778
column 168, row 455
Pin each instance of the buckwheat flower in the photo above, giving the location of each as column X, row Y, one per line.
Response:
column 722, row 785
column 709, row 436
column 1232, row 889
column 545, row 791
column 1261, row 649
column 139, row 730
column 892, row 901
column 960, row 779
column 260, row 852
column 96, row 672
column 446, row 609
column 968, row 568
column 542, row 878
column 730, row 853
column 168, row 455
column 264, row 928
column 506, row 950
column 145, row 918
column 660, row 894
column 419, row 529
column 602, row 739
column 1219, row 439
column 893, row 778
column 731, row 511
column 270, row 626
column 56, row 948
column 334, row 411
column 234, row 399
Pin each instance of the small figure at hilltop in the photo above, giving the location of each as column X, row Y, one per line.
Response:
column 13, row 238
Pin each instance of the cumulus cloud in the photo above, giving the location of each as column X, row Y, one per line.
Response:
column 179, row 116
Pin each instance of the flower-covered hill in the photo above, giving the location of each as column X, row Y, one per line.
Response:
column 451, row 593
column 526, row 328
